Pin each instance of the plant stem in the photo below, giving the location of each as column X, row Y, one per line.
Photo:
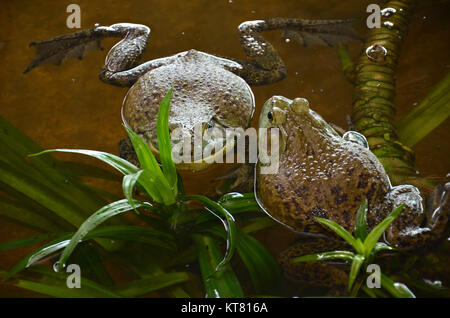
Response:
column 357, row 285
column 373, row 100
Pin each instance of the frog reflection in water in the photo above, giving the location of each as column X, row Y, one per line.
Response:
column 208, row 90
column 322, row 174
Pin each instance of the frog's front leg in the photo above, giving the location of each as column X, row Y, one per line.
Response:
column 408, row 231
column 239, row 179
column 266, row 65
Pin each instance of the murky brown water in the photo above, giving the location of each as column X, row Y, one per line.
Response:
column 68, row 106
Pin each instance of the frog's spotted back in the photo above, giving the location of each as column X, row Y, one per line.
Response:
column 322, row 174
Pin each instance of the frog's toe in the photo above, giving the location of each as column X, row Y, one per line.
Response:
column 408, row 231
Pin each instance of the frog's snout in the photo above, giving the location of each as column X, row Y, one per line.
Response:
column 300, row 105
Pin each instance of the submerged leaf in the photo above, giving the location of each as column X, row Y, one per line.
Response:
column 93, row 221
column 229, row 224
column 146, row 285
column 49, row 283
column 429, row 114
column 262, row 267
column 325, row 256
column 396, row 289
column 218, row 283
column 264, row 270
column 39, row 254
column 25, row 242
column 158, row 239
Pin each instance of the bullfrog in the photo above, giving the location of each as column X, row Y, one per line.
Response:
column 209, row 91
column 324, row 174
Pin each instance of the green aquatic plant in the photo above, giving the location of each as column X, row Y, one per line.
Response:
column 366, row 247
column 175, row 235
column 374, row 108
column 432, row 111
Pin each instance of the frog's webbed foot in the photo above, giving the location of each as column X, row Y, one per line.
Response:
column 238, row 179
column 408, row 231
column 315, row 274
column 266, row 65
column 61, row 48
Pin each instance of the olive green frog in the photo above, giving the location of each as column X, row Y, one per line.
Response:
column 323, row 174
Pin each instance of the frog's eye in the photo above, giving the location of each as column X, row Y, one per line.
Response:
column 270, row 116
column 357, row 138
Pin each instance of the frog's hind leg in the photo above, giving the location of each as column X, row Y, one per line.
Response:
column 265, row 65
column 408, row 232
column 315, row 274
column 120, row 63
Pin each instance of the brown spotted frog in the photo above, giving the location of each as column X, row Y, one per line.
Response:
column 323, row 174
column 208, row 90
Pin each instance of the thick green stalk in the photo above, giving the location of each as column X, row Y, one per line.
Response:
column 373, row 100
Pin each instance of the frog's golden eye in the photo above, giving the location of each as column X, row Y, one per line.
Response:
column 278, row 115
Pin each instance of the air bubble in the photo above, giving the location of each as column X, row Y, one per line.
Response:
column 357, row 138
column 387, row 12
column 55, row 266
column 388, row 24
column 376, row 52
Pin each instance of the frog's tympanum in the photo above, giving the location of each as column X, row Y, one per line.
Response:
column 324, row 174
column 208, row 90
